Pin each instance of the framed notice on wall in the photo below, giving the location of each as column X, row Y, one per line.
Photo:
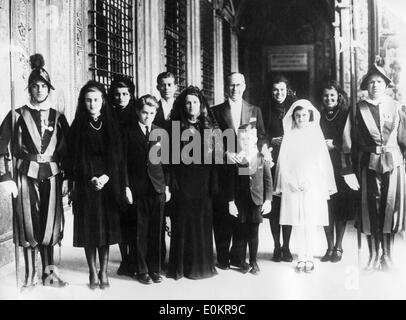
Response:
column 288, row 61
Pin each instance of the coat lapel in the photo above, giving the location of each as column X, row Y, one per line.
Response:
column 227, row 116
column 140, row 137
column 246, row 113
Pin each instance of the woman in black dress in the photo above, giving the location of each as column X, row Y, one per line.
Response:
column 282, row 98
column 95, row 179
column 191, row 250
column 341, row 205
column 122, row 100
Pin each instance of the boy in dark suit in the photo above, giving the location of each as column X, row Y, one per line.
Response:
column 148, row 187
column 251, row 199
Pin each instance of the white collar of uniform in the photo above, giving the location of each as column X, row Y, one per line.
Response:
column 46, row 105
column 383, row 101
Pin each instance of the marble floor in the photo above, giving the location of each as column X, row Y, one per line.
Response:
column 277, row 281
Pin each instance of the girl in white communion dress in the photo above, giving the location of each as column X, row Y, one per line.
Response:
column 304, row 178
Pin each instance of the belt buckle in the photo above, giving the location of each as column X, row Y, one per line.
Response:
column 41, row 158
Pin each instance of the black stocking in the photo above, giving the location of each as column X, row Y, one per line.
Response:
column 91, row 261
column 47, row 257
column 30, row 266
column 340, row 230
column 253, row 242
column 276, row 232
column 286, row 232
column 103, row 260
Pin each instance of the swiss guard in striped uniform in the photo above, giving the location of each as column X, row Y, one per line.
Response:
column 378, row 138
column 38, row 147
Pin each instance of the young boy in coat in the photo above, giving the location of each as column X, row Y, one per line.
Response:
column 251, row 198
column 147, row 191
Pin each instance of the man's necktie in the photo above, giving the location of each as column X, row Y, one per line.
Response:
column 147, row 132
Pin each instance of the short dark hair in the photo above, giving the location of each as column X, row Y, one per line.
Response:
column 121, row 82
column 278, row 78
column 165, row 75
column 299, row 108
column 147, row 100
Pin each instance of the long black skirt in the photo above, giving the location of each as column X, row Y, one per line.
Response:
column 191, row 250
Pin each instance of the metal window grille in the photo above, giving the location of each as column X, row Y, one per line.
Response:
column 175, row 39
column 207, row 48
column 112, row 39
column 226, row 53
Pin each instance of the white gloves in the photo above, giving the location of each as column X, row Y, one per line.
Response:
column 99, row 183
column 232, row 209
column 352, row 181
column 266, row 207
column 11, row 188
column 168, row 195
column 267, row 152
column 129, row 196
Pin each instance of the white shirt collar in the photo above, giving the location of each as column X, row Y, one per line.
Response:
column 143, row 127
column 167, row 107
column 46, row 105
column 383, row 100
column 237, row 104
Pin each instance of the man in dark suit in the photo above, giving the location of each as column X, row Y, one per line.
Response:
column 232, row 114
column 148, row 186
column 167, row 87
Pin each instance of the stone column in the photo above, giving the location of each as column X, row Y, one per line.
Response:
column 194, row 64
column 218, row 60
column 150, row 60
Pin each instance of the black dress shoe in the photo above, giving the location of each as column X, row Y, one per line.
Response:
column 254, row 269
column 277, row 255
column 337, row 255
column 123, row 269
column 286, row 255
column 156, row 277
column 327, row 257
column 144, row 278
column 223, row 266
column 243, row 266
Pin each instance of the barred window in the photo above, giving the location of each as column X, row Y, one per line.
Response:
column 175, row 39
column 112, row 39
column 207, row 48
column 226, row 53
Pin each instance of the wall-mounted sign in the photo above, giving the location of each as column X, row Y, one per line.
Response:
column 288, row 61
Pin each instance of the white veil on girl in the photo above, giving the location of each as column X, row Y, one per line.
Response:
column 304, row 161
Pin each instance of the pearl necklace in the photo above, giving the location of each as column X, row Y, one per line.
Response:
column 335, row 116
column 97, row 129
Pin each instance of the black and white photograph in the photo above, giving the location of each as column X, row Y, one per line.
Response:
column 202, row 151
